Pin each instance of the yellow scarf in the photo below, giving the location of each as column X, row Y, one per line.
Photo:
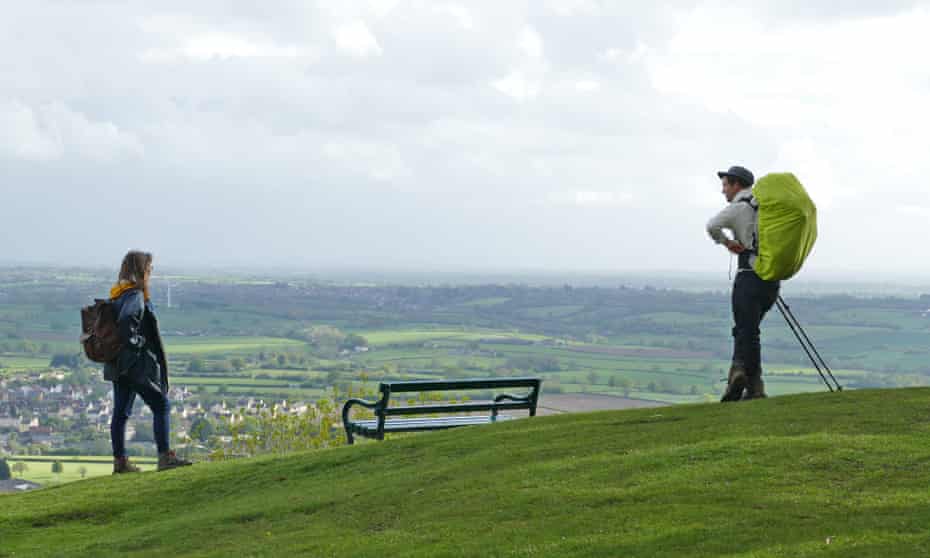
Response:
column 123, row 286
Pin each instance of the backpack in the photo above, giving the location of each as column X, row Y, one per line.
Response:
column 787, row 226
column 100, row 334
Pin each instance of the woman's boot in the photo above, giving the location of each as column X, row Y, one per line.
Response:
column 168, row 460
column 122, row 465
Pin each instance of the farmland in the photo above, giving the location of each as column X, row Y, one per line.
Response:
column 268, row 337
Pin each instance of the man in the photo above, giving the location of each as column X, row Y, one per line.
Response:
column 752, row 296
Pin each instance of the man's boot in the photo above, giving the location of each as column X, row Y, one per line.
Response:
column 736, row 383
column 122, row 465
column 755, row 388
column 168, row 460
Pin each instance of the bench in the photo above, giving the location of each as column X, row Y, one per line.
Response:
column 384, row 421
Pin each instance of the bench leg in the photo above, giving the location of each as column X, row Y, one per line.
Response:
column 349, row 438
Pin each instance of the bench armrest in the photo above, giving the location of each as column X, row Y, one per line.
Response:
column 348, row 406
column 531, row 399
column 376, row 407
column 507, row 396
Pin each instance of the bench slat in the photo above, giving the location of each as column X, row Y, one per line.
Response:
column 456, row 408
column 410, row 425
column 442, row 385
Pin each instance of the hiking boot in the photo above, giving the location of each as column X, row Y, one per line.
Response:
column 736, row 383
column 168, row 460
column 123, row 465
column 755, row 388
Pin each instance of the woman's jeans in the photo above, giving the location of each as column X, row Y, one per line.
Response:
column 124, row 395
column 752, row 298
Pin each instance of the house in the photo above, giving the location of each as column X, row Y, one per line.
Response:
column 38, row 435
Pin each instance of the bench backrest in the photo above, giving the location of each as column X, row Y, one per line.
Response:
column 501, row 403
column 449, row 385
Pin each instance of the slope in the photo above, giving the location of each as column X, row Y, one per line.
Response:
column 810, row 475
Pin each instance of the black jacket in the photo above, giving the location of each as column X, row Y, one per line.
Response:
column 142, row 355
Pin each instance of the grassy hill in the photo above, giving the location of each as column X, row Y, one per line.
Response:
column 809, row 475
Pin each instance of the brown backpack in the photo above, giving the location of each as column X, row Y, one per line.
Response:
column 100, row 335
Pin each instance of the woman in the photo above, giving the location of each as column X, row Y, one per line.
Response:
column 140, row 368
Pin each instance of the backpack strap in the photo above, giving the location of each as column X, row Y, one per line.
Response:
column 744, row 257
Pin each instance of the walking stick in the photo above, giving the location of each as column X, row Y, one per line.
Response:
column 819, row 363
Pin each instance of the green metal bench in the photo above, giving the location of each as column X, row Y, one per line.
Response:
column 385, row 420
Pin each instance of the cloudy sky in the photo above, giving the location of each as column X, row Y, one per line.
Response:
column 544, row 134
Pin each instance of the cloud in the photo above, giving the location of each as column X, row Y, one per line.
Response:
column 525, row 82
column 590, row 199
column 587, row 86
column 815, row 87
column 223, row 45
column 54, row 130
column 356, row 39
column 22, row 136
column 914, row 211
column 461, row 15
column 514, row 132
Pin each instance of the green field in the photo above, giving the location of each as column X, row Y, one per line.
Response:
column 22, row 363
column 800, row 476
column 40, row 468
column 178, row 346
column 407, row 337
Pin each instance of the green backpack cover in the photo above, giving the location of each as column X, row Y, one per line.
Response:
column 787, row 226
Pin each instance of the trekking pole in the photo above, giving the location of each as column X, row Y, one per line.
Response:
column 812, row 346
column 819, row 363
column 797, row 336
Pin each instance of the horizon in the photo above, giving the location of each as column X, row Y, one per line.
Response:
column 807, row 284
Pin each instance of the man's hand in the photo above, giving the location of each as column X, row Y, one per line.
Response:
column 735, row 247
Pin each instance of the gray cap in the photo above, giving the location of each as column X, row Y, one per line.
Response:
column 739, row 172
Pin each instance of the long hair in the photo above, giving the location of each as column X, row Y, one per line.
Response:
column 132, row 270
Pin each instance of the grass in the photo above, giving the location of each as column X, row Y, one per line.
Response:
column 810, row 475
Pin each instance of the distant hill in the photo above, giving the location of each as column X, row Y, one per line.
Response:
column 843, row 474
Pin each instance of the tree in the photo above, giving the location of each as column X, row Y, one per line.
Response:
column 282, row 360
column 195, row 365
column 70, row 361
column 626, row 385
column 20, row 467
column 202, row 429
column 144, row 433
column 4, row 470
column 238, row 364
column 83, row 471
column 57, row 467
column 352, row 341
